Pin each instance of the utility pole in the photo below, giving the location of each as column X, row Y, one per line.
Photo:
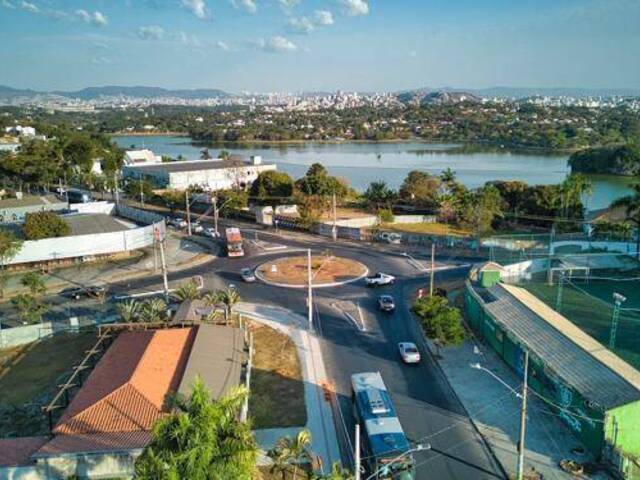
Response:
column 357, row 453
column 559, row 294
column 115, row 188
column 310, row 292
column 334, row 230
column 618, row 301
column 186, row 201
column 164, row 266
column 433, row 265
column 141, row 192
column 552, row 234
column 523, row 417
column 215, row 213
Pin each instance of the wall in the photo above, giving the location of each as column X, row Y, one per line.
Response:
column 33, row 251
column 115, row 465
column 622, row 247
column 17, row 214
column 621, row 430
column 93, row 207
column 415, row 219
column 139, row 216
column 13, row 337
column 21, row 473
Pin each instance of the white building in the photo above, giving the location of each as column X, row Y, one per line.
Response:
column 21, row 131
column 134, row 157
column 208, row 174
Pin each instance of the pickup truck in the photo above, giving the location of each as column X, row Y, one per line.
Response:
column 380, row 279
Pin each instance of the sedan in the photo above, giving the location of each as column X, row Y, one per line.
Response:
column 90, row 292
column 247, row 275
column 210, row 232
column 409, row 352
column 196, row 227
column 178, row 222
column 386, row 303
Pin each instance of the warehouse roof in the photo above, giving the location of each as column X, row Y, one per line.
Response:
column 579, row 360
column 191, row 166
column 30, row 201
column 216, row 357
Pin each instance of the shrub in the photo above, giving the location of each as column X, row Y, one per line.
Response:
column 386, row 215
column 45, row 225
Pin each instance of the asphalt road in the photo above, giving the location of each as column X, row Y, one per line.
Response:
column 427, row 408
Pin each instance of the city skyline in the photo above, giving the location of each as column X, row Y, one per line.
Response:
column 288, row 45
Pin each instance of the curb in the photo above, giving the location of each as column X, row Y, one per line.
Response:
column 320, row 285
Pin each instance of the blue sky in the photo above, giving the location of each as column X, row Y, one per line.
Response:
column 292, row 45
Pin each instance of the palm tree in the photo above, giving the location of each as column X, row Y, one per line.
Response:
column 152, row 310
column 229, row 298
column 448, row 176
column 201, row 439
column 337, row 473
column 291, row 451
column 128, row 311
column 187, row 291
column 572, row 190
column 631, row 204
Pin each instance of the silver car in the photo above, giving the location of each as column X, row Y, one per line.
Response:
column 247, row 275
column 409, row 352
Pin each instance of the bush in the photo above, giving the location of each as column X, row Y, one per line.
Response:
column 45, row 225
column 440, row 321
column 386, row 215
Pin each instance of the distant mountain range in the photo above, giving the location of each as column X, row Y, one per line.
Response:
column 92, row 93
column 524, row 92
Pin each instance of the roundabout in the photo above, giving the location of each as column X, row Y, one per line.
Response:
column 326, row 271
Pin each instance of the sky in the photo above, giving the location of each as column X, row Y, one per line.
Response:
column 319, row 45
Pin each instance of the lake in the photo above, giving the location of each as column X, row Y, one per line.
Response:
column 363, row 163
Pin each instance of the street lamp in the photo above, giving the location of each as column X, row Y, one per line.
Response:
column 523, row 407
column 618, row 300
column 385, row 468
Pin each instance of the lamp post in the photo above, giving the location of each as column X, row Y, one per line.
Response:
column 523, row 407
column 618, row 301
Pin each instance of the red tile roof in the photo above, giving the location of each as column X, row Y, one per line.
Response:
column 16, row 452
column 127, row 389
column 95, row 443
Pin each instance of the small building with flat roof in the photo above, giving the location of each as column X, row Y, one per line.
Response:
column 14, row 210
column 208, row 174
column 593, row 391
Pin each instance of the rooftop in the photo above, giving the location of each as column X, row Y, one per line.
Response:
column 586, row 365
column 30, row 201
column 90, row 223
column 192, row 166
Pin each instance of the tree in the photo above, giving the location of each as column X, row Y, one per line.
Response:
column 30, row 309
column 448, row 176
column 572, row 190
column 9, row 248
column 153, row 310
column 228, row 298
column 224, row 155
column 317, row 181
column 631, row 204
column 420, row 189
column 481, row 208
column 41, row 225
column 379, row 195
column 34, row 282
column 440, row 321
column 291, row 452
column 337, row 473
column 271, row 187
column 79, row 152
column 204, row 154
column 128, row 311
column 187, row 291
column 202, row 439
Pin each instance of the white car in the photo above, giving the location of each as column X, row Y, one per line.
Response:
column 196, row 227
column 380, row 279
column 210, row 232
column 178, row 222
column 409, row 352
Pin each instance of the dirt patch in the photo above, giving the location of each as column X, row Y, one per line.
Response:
column 325, row 270
column 277, row 387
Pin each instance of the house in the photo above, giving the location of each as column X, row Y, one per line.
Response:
column 209, row 174
column 110, row 420
column 135, row 157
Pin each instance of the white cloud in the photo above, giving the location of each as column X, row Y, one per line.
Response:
column 189, row 40
column 354, row 8
column 101, row 61
column 222, row 45
column 300, row 25
column 276, row 44
column 288, row 3
column 323, row 17
column 29, row 7
column 151, row 32
column 95, row 18
column 7, row 4
column 197, row 7
column 248, row 6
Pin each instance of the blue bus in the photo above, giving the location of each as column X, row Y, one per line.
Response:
column 383, row 441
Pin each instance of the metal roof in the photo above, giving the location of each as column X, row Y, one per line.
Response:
column 217, row 357
column 575, row 357
column 192, row 166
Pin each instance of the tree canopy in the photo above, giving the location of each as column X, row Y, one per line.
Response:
column 41, row 225
column 420, row 189
column 272, row 186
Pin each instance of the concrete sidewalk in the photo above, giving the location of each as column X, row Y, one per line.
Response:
column 495, row 410
column 319, row 414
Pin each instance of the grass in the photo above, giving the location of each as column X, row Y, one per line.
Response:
column 30, row 370
column 427, row 229
column 277, row 388
column 594, row 316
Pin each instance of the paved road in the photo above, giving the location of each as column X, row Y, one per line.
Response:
column 427, row 407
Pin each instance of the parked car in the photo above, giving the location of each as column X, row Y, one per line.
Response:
column 196, row 227
column 95, row 291
column 386, row 303
column 178, row 222
column 409, row 352
column 380, row 279
column 210, row 232
column 247, row 275
column 390, row 237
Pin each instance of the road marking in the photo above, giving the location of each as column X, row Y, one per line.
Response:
column 360, row 325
